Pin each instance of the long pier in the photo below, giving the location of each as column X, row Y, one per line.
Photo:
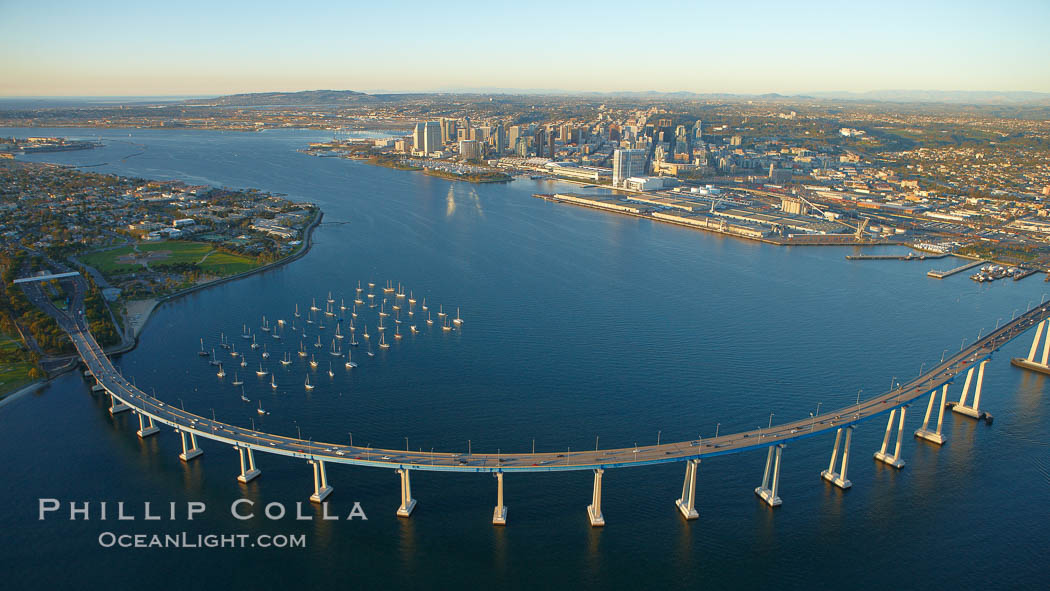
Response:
column 950, row 272
column 893, row 257
column 152, row 411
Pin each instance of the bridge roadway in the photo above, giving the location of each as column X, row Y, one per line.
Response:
column 181, row 420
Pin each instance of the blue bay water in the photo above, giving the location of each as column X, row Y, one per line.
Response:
column 578, row 324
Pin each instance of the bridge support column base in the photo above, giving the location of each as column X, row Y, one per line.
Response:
column 406, row 510
column 931, row 436
column 320, row 495
column 597, row 519
column 767, row 495
column 971, row 412
column 118, row 408
column 834, row 478
column 189, row 454
column 144, row 433
column 689, row 513
column 251, row 474
column 97, row 388
column 889, row 460
column 499, row 515
column 1030, row 365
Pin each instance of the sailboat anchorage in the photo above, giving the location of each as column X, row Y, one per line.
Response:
column 202, row 352
column 243, row 397
column 261, row 372
column 237, row 381
column 308, row 385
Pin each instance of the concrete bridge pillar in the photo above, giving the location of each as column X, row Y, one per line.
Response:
column 193, row 451
column 839, row 478
column 881, row 455
column 407, row 502
column 116, row 406
column 1030, row 362
column 924, row 432
column 686, row 503
column 321, row 488
column 145, row 431
column 594, row 510
column 975, row 410
column 499, row 515
column 766, row 492
column 248, row 475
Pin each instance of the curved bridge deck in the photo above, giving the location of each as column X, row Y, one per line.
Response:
column 186, row 422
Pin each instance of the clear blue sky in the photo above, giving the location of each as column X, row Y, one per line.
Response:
column 119, row 47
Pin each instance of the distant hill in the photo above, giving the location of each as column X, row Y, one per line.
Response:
column 302, row 98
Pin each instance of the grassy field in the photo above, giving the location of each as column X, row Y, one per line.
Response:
column 112, row 262
column 223, row 263
column 12, row 375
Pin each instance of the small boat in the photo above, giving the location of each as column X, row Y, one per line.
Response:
column 349, row 364
column 221, row 373
column 308, row 385
column 400, row 290
column 382, row 342
column 244, row 362
column 313, row 305
column 441, row 311
column 342, row 305
column 265, row 353
column 381, row 327
column 371, row 285
column 237, row 381
column 353, row 343
column 233, row 351
column 338, row 334
column 397, row 333
column 243, row 397
column 222, row 341
column 265, row 325
column 365, row 333
column 260, row 409
column 214, row 361
column 313, row 362
column 458, row 320
column 273, row 383
column 302, row 349
column 353, row 313
column 254, row 344
column 413, row 329
column 286, row 361
column 297, row 315
column 397, row 318
column 395, row 307
column 318, row 344
column 370, row 353
column 245, row 333
column 351, row 325
column 331, row 373
column 446, row 326
column 411, row 298
column 425, row 308
column 202, row 352
column 334, row 351
column 330, row 300
column 430, row 321
column 389, row 287
column 382, row 310
column 261, row 372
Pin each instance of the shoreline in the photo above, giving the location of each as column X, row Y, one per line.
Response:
column 308, row 234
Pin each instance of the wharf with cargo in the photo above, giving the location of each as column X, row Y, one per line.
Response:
column 733, row 219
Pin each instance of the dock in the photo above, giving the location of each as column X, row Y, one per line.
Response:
column 1025, row 273
column 893, row 257
column 950, row 272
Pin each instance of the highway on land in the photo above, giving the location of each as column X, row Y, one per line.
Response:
column 123, row 391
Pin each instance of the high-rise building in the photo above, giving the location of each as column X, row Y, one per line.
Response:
column 499, row 139
column 470, row 150
column 698, row 130
column 626, row 164
column 432, row 137
column 417, row 137
column 550, row 143
column 541, row 141
column 513, row 133
column 736, row 140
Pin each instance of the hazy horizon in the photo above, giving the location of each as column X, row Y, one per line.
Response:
column 208, row 49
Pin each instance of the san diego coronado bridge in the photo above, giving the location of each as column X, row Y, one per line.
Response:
column 969, row 362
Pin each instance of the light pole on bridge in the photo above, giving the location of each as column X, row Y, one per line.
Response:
column 858, row 396
column 771, row 420
column 717, row 425
column 297, row 429
column 893, row 379
column 181, row 403
column 922, row 367
column 658, row 437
